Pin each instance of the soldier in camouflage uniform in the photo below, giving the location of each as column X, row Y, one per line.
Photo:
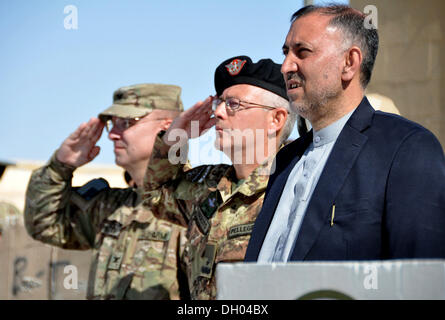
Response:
column 135, row 254
column 219, row 203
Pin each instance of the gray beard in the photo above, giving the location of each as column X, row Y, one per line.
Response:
column 316, row 106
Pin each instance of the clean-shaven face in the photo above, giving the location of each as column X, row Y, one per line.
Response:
column 241, row 130
column 133, row 146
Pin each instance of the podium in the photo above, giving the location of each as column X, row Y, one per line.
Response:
column 369, row 280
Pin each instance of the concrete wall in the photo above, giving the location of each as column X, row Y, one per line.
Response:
column 410, row 66
column 30, row 269
column 15, row 179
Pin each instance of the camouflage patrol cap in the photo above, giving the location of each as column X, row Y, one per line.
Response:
column 139, row 100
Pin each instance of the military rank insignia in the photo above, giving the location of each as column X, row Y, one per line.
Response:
column 208, row 260
column 115, row 261
column 235, row 66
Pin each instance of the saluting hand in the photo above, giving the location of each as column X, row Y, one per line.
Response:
column 80, row 147
column 193, row 122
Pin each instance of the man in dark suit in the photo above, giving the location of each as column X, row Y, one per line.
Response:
column 363, row 184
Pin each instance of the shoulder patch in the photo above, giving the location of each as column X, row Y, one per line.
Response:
column 81, row 196
column 92, row 188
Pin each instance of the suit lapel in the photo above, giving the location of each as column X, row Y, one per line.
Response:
column 285, row 161
column 342, row 158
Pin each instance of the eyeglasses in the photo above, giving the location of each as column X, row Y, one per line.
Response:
column 235, row 104
column 120, row 124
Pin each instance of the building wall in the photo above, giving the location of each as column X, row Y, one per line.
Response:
column 15, row 179
column 410, row 64
column 30, row 269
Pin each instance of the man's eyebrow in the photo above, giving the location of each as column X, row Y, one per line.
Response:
column 296, row 45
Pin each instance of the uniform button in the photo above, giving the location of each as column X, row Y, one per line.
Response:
column 317, row 139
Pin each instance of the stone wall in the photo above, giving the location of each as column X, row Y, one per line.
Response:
column 410, row 66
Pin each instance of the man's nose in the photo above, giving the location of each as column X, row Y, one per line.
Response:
column 288, row 66
column 114, row 134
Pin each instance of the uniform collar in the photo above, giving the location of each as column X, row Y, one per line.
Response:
column 255, row 183
column 225, row 184
column 127, row 214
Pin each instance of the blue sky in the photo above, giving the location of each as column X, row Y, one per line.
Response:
column 53, row 79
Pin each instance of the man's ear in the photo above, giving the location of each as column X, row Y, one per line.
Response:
column 353, row 60
column 277, row 121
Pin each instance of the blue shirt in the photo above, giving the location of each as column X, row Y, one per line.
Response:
column 283, row 230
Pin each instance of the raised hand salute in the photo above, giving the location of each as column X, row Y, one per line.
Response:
column 80, row 147
column 199, row 116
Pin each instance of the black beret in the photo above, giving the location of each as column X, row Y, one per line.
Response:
column 265, row 74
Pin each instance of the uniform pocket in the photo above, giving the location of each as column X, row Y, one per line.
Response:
column 232, row 250
column 154, row 247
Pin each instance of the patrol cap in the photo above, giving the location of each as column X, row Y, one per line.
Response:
column 139, row 100
column 265, row 74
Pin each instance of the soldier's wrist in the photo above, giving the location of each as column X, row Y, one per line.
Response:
column 63, row 169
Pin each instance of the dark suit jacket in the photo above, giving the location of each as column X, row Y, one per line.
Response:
column 386, row 177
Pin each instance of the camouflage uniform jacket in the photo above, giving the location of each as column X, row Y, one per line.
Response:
column 218, row 210
column 135, row 254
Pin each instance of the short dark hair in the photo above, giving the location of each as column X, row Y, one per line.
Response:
column 352, row 24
